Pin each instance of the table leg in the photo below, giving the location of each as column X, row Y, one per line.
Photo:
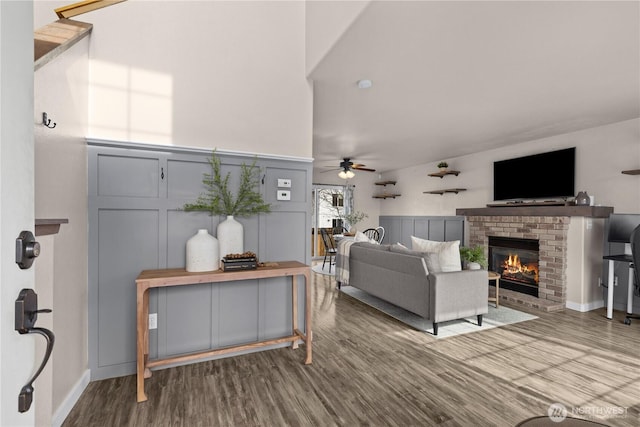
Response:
column 142, row 319
column 610, row 291
column 307, row 318
column 497, row 293
column 294, row 309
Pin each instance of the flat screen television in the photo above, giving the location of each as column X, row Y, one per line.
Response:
column 539, row 176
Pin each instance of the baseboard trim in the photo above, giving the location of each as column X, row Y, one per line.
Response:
column 67, row 404
column 594, row 305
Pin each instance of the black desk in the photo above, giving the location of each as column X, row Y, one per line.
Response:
column 612, row 260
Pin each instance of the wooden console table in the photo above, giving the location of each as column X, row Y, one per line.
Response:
column 176, row 277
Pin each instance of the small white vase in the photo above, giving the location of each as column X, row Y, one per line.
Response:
column 473, row 266
column 202, row 252
column 230, row 236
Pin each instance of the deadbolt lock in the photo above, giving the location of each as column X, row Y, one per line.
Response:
column 27, row 249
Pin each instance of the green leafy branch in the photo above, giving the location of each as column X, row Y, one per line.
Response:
column 218, row 198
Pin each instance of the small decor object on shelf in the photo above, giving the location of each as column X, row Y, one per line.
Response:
column 218, row 200
column 202, row 252
column 582, row 199
column 231, row 236
column 443, row 166
column 473, row 257
column 244, row 261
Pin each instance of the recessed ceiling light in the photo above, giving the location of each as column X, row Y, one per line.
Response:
column 365, row 83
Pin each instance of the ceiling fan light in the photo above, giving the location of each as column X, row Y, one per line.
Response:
column 346, row 174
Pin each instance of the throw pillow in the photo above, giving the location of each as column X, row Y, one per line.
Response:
column 428, row 264
column 448, row 254
column 433, row 261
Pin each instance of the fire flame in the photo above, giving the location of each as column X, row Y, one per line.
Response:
column 513, row 266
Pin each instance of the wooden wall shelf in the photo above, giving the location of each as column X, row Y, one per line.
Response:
column 385, row 183
column 45, row 227
column 385, row 196
column 632, row 172
column 448, row 190
column 442, row 174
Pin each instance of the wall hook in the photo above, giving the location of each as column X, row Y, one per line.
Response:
column 47, row 122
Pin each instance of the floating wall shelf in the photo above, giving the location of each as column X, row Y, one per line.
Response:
column 632, row 172
column 385, row 183
column 442, row 174
column 448, row 190
column 386, row 196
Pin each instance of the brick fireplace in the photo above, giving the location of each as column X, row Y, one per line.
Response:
column 570, row 241
column 551, row 232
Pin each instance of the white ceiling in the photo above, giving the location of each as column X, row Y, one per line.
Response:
column 454, row 78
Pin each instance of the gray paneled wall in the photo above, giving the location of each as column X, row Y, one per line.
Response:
column 440, row 228
column 136, row 223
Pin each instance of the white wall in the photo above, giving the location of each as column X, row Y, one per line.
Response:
column 60, row 89
column 326, row 22
column 202, row 74
column 601, row 154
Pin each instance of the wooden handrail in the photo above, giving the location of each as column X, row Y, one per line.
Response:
column 83, row 7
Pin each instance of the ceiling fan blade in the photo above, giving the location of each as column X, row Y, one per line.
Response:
column 360, row 168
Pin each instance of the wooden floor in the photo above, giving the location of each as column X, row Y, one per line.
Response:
column 371, row 370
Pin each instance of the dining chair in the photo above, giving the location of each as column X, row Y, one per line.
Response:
column 329, row 248
column 381, row 233
column 372, row 233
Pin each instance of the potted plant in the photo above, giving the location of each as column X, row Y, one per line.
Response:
column 473, row 257
column 443, row 166
column 218, row 199
column 352, row 218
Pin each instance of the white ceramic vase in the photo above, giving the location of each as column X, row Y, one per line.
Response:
column 473, row 266
column 230, row 236
column 202, row 252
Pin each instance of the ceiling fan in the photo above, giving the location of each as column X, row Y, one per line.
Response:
column 347, row 167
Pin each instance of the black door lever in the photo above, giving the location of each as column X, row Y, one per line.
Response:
column 26, row 316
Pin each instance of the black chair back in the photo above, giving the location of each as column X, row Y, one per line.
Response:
column 329, row 245
column 635, row 252
column 372, row 233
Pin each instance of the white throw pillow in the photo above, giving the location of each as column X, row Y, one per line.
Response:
column 448, row 254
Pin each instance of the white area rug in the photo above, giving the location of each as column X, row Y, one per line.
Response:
column 495, row 317
column 318, row 269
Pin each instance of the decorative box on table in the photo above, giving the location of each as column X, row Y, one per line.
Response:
column 234, row 262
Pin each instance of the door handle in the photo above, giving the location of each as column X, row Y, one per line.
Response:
column 25, row 319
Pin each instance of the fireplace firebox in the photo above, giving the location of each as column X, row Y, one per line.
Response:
column 517, row 262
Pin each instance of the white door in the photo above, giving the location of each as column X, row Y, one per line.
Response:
column 17, row 359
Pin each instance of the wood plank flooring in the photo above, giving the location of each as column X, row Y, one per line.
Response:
column 371, row 370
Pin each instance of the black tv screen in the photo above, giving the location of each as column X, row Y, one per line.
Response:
column 540, row 176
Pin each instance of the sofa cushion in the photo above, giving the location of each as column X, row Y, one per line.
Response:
column 370, row 245
column 431, row 258
column 401, row 249
column 443, row 256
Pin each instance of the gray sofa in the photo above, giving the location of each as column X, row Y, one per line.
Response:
column 399, row 276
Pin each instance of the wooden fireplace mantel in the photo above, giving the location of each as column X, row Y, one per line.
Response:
column 524, row 210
